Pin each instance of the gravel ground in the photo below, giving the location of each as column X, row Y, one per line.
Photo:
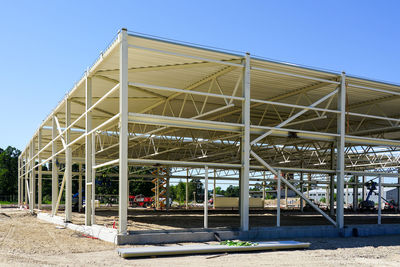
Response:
column 26, row 241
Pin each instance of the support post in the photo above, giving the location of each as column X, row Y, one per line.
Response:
column 341, row 105
column 80, row 188
column 40, row 194
column 332, row 184
column 355, row 193
column 205, row 197
column 363, row 188
column 187, row 189
column 286, row 197
column 168, row 191
column 215, row 186
column 54, row 169
column 19, row 181
column 245, row 148
column 301, row 190
column 26, row 178
column 379, row 199
column 88, row 153
column 68, row 164
column 398, row 193
column 33, row 177
column 123, row 133
column 278, row 200
column 93, row 192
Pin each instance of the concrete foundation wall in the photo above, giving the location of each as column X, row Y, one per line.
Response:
column 265, row 233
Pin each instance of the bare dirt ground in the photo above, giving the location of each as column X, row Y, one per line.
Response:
column 26, row 241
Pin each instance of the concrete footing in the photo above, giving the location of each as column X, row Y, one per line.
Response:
column 97, row 231
column 264, row 233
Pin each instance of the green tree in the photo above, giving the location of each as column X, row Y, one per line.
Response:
column 9, row 171
column 195, row 185
column 232, row 191
column 180, row 191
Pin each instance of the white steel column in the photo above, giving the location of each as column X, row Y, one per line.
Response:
column 39, row 170
column 26, row 177
column 19, row 181
column 301, row 190
column 88, row 154
column 167, row 203
column 398, row 194
column 332, row 184
column 355, row 193
column 123, row 133
column 54, row 169
column 33, row 176
column 187, row 189
column 93, row 192
column 278, row 200
column 68, row 164
column 80, row 188
column 340, row 152
column 205, row 197
column 245, row 148
column 215, row 185
column 379, row 199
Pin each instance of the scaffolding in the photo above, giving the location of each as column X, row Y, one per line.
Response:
column 152, row 102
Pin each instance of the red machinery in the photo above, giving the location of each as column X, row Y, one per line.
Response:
column 140, row 201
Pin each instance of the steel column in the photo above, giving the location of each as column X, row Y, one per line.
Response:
column 54, row 169
column 39, row 170
column 25, row 178
column 332, row 184
column 88, row 153
column 68, row 164
column 245, row 148
column 355, row 193
column 32, row 177
column 379, row 199
column 278, row 199
column 340, row 146
column 205, row 203
column 123, row 133
column 19, row 181
column 215, row 185
column 80, row 188
column 93, row 188
column 302, row 191
column 187, row 189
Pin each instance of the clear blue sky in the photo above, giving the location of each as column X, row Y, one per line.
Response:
column 46, row 45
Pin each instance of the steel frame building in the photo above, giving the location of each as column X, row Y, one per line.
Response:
column 153, row 102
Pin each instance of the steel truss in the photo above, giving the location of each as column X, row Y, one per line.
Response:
column 215, row 116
